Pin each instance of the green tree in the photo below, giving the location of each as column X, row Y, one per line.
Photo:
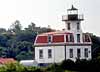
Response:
column 24, row 56
column 16, row 27
column 3, row 52
column 2, row 30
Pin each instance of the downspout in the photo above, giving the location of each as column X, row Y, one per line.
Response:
column 65, row 51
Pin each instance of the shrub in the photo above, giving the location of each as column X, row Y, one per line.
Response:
column 67, row 64
column 16, row 67
column 54, row 68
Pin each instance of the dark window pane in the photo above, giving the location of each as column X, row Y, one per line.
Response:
column 78, row 37
column 78, row 53
column 86, row 52
column 71, row 53
column 66, row 38
column 41, row 54
column 68, row 26
column 49, row 53
column 78, row 26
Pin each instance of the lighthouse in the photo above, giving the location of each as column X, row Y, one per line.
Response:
column 54, row 47
column 73, row 23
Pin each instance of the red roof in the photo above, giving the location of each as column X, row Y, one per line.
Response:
column 58, row 37
column 41, row 39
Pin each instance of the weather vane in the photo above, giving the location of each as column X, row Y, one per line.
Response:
column 75, row 2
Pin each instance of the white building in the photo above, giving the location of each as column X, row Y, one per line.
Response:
column 54, row 47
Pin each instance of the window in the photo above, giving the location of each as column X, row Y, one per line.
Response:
column 41, row 54
column 49, row 39
column 78, row 53
column 71, row 38
column 87, row 38
column 68, row 26
column 78, row 37
column 78, row 26
column 66, row 38
column 86, row 52
column 71, row 53
column 49, row 53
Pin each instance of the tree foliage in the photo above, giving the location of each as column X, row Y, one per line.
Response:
column 18, row 43
column 95, row 46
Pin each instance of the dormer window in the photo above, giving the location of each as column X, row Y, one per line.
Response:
column 78, row 37
column 71, row 39
column 67, row 38
column 68, row 26
column 87, row 38
column 49, row 38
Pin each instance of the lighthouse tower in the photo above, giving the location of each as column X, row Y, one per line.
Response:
column 73, row 23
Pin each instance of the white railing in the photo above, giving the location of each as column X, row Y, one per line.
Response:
column 80, row 17
column 64, row 17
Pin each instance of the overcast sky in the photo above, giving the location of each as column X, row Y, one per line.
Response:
column 49, row 12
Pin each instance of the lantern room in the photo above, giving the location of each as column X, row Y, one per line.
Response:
column 72, row 15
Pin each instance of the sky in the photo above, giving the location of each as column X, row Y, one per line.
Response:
column 49, row 12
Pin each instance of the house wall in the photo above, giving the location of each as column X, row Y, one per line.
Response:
column 73, row 27
column 58, row 53
column 75, row 52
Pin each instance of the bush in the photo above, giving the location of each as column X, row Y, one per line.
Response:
column 81, row 65
column 54, row 68
column 16, row 67
column 12, row 67
column 87, row 65
column 67, row 64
